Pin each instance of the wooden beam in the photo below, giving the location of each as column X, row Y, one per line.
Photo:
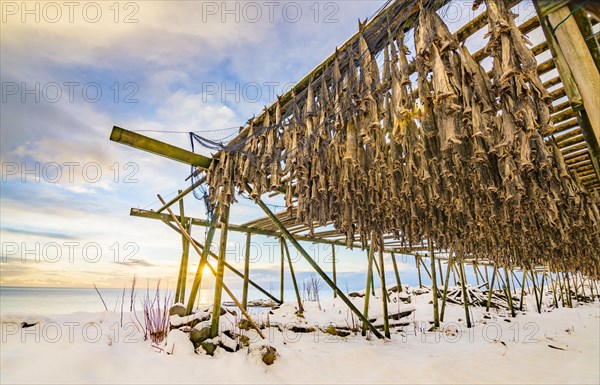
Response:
column 141, row 142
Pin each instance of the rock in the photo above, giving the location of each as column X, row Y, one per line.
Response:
column 229, row 344
column 209, row 347
column 177, row 309
column 302, row 329
column 199, row 334
column 178, row 343
column 336, row 332
column 265, row 353
column 244, row 324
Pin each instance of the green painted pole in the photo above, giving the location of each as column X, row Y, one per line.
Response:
column 334, row 273
column 214, row 324
column 314, row 265
column 418, row 263
column 448, row 268
column 368, row 285
column 463, row 284
column 281, row 272
column 246, row 272
column 434, row 288
column 198, row 277
column 491, row 290
column 287, row 252
column 398, row 282
column 386, row 325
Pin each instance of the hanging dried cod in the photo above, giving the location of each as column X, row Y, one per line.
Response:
column 460, row 161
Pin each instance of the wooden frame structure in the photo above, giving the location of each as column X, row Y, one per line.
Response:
column 576, row 121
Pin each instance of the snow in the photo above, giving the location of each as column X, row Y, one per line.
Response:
column 558, row 346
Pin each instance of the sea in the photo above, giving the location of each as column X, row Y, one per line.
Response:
column 55, row 301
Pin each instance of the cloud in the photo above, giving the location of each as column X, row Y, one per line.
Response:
column 44, row 234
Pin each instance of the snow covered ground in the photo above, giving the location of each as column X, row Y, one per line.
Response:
column 557, row 346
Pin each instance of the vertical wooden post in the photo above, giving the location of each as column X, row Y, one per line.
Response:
column 203, row 259
column 448, row 268
column 560, row 285
column 542, row 288
column 434, row 288
column 569, row 296
column 509, row 293
column 491, row 290
column 475, row 272
column 180, row 291
column 246, row 272
column 281, row 272
column 334, row 273
column 439, row 262
column 287, row 252
column 463, row 284
column 386, row 326
column 368, row 284
column 379, row 272
column 454, row 275
column 398, row 282
column 555, row 298
column 534, row 283
column 216, row 313
column 418, row 263
column 522, row 298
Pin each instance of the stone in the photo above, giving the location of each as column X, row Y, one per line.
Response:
column 209, row 347
column 177, row 309
column 199, row 334
column 269, row 355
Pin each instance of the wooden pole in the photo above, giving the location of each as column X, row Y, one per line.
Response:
column 368, row 285
column 281, row 272
column 418, row 263
column 521, row 300
column 434, row 288
column 386, row 325
column 461, row 272
column 560, row 285
column 314, row 265
column 246, row 272
column 569, row 296
column 398, row 282
column 186, row 252
column 475, row 272
column 203, row 259
column 542, row 289
column 214, row 324
column 189, row 238
column 287, row 252
column 491, row 290
column 448, row 268
column 180, row 276
column 379, row 272
column 534, row 282
column 509, row 293
column 555, row 298
column 439, row 262
column 333, row 266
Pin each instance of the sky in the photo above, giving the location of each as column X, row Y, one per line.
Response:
column 70, row 71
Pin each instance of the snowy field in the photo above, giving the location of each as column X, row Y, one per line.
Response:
column 557, row 346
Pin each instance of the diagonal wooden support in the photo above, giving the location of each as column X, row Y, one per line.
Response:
column 239, row 305
column 227, row 265
column 246, row 272
column 287, row 252
column 314, row 265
